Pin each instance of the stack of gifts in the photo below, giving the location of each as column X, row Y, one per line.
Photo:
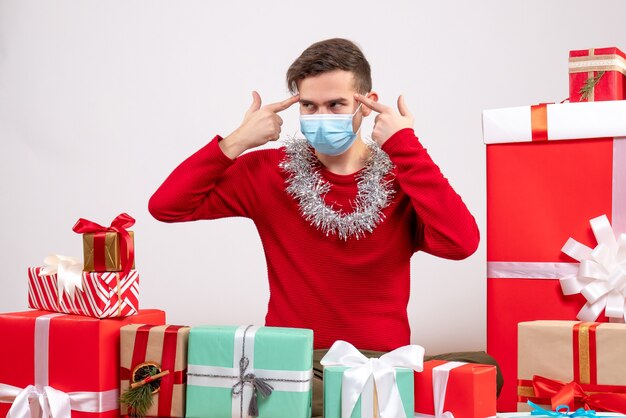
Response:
column 556, row 205
column 62, row 359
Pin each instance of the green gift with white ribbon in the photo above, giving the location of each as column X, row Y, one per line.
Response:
column 239, row 372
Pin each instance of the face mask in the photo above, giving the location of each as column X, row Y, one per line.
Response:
column 330, row 134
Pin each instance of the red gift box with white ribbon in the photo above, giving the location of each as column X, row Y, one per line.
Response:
column 550, row 170
column 62, row 365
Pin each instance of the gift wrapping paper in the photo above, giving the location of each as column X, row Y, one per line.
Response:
column 552, row 354
column 230, row 366
column 101, row 251
column 164, row 346
column 465, row 390
column 66, row 364
column 550, row 170
column 101, row 295
column 608, row 64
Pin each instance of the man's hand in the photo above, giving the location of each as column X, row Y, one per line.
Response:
column 260, row 125
column 388, row 121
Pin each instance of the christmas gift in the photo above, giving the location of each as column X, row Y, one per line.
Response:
column 577, row 364
column 464, row 390
column 550, row 170
column 108, row 248
column 153, row 369
column 597, row 74
column 63, row 287
column 248, row 370
column 62, row 365
column 359, row 387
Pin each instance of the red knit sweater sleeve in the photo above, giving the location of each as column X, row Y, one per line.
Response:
column 207, row 185
column 445, row 227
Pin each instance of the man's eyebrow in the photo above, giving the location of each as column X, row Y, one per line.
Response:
column 337, row 100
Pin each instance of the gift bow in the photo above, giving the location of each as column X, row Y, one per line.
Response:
column 69, row 271
column 601, row 277
column 382, row 370
column 572, row 394
column 561, row 411
column 119, row 225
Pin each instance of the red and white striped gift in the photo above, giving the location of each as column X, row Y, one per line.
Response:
column 103, row 294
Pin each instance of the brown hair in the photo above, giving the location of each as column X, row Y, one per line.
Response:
column 329, row 55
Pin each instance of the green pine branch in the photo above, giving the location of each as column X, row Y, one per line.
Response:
column 586, row 90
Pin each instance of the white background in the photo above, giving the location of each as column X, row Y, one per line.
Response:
column 99, row 101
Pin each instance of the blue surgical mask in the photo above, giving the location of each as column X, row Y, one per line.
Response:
column 330, row 134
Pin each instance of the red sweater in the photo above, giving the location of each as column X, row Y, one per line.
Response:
column 354, row 290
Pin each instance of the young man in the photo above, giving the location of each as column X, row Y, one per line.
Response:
column 339, row 218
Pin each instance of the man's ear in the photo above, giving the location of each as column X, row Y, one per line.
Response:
column 372, row 95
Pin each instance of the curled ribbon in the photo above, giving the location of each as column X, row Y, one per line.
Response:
column 382, row 370
column 601, row 277
column 119, row 225
column 69, row 271
column 572, row 394
column 561, row 411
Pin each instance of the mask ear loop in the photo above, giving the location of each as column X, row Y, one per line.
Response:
column 354, row 114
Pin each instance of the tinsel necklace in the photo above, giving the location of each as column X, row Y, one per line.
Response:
column 306, row 185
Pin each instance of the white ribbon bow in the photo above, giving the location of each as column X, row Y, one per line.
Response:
column 69, row 271
column 601, row 277
column 381, row 369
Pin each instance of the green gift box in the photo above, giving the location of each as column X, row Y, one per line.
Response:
column 333, row 376
column 231, row 370
column 359, row 387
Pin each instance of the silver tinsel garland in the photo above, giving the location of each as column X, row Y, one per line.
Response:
column 306, row 185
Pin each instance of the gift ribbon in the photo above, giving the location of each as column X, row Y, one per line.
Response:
column 381, row 370
column 561, row 411
column 41, row 400
column 441, row 375
column 606, row 62
column 69, row 271
column 539, row 122
column 244, row 380
column 572, row 394
column 118, row 225
column 601, row 277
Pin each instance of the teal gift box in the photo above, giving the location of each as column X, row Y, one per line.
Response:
column 234, row 370
column 333, row 376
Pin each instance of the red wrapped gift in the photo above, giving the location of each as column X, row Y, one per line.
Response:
column 160, row 349
column 65, row 364
column 100, row 295
column 465, row 390
column 541, row 190
column 597, row 74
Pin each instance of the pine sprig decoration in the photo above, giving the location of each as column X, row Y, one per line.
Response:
column 139, row 398
column 586, row 90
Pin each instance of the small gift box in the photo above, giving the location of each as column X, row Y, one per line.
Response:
column 108, row 248
column 550, row 170
column 248, row 371
column 597, row 74
column 357, row 387
column 465, row 390
column 67, row 289
column 64, row 365
column 577, row 364
column 148, row 351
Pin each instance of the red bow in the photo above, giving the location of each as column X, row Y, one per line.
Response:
column 119, row 225
column 573, row 395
